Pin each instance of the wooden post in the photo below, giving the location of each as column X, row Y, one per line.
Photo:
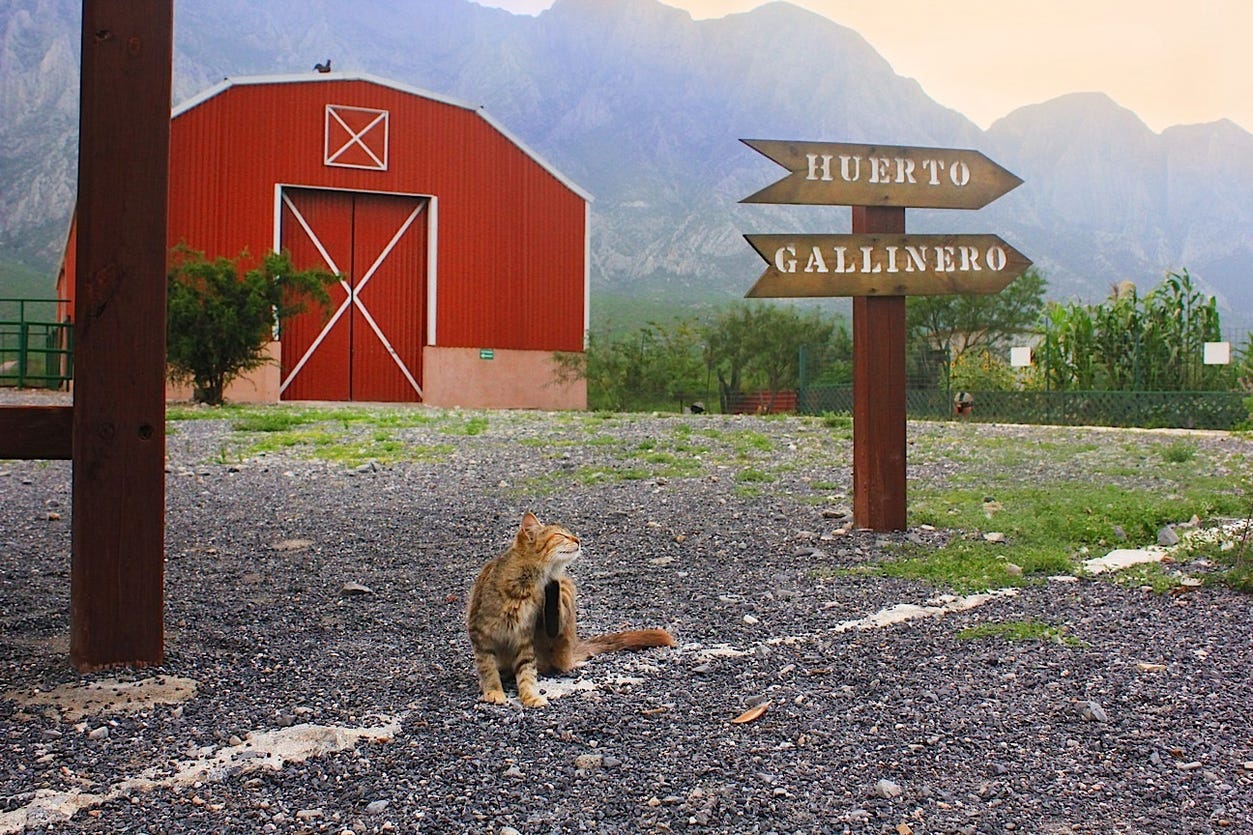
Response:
column 879, row 392
column 118, row 527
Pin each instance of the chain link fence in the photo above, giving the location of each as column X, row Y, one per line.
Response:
column 826, row 386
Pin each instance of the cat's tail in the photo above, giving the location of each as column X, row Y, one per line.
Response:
column 615, row 641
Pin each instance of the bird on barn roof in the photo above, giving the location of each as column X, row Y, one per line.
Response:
column 323, row 67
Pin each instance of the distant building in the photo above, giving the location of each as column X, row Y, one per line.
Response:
column 463, row 254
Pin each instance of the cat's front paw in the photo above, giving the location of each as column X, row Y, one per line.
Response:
column 534, row 700
column 496, row 697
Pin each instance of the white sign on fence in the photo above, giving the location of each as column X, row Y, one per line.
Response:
column 1217, row 353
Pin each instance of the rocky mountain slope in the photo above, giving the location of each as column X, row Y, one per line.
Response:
column 643, row 107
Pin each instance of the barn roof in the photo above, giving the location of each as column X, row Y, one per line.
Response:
column 314, row 78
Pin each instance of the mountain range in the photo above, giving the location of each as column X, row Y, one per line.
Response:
column 643, row 107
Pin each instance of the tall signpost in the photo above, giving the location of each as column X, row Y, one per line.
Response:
column 878, row 265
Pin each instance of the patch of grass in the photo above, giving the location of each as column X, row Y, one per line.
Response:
column 473, row 425
column 753, row 475
column 1178, row 452
column 603, row 475
column 1043, row 527
column 401, row 418
column 1239, row 578
column 1020, row 630
column 832, row 420
column 1072, row 515
column 1151, row 575
column 601, row 440
column 276, row 418
column 384, row 451
column 180, row 412
column 324, row 433
column 270, row 421
column 968, row 566
column 748, row 440
column 281, row 441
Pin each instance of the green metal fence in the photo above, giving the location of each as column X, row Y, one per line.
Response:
column 1155, row 409
column 825, row 386
column 34, row 352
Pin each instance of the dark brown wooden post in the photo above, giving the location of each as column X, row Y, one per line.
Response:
column 879, row 392
column 118, row 528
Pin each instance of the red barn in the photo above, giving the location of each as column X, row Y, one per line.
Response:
column 463, row 255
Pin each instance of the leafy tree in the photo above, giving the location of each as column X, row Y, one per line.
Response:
column 219, row 322
column 752, row 344
column 761, row 342
column 652, row 364
column 982, row 371
column 977, row 322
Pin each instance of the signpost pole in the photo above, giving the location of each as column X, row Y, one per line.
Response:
column 879, row 392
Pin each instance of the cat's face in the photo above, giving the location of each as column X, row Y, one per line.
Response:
column 561, row 546
column 558, row 546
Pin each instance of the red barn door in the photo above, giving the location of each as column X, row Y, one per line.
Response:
column 369, row 347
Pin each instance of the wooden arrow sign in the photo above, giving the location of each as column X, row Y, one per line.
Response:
column 838, row 174
column 883, row 265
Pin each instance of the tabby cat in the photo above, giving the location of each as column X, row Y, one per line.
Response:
column 521, row 616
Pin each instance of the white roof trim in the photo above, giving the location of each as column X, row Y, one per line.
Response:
column 313, row 78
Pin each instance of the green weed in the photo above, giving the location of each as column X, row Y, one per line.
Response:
column 832, row 420
column 1020, row 630
column 270, row 421
column 603, row 475
column 968, row 566
column 1179, row 452
column 473, row 425
column 1151, row 576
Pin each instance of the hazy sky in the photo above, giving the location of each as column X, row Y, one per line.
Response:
column 1171, row 61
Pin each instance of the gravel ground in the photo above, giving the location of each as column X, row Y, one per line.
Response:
column 294, row 705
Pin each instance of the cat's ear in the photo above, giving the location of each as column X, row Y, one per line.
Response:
column 529, row 524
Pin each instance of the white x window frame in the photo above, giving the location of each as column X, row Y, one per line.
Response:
column 333, row 151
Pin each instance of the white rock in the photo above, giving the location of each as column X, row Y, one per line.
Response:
column 1122, row 558
column 887, row 789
